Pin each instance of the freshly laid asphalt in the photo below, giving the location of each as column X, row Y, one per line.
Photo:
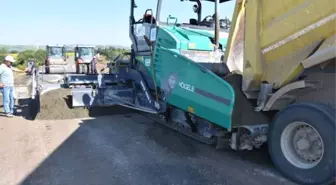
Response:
column 125, row 149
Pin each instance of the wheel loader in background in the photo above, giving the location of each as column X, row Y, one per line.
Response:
column 85, row 59
column 273, row 80
column 56, row 59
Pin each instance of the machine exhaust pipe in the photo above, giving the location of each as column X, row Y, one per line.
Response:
column 217, row 26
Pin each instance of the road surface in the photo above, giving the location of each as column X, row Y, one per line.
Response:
column 121, row 149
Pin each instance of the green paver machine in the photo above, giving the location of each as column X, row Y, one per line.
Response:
column 272, row 81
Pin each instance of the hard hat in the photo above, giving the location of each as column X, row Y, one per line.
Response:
column 9, row 58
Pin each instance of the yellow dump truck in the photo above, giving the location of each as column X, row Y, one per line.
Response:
column 285, row 51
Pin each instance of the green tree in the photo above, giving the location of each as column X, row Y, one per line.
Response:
column 111, row 52
column 23, row 57
column 3, row 53
column 14, row 52
column 40, row 56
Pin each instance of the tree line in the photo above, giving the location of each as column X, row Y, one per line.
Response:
column 39, row 55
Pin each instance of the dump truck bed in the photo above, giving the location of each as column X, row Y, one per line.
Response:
column 275, row 41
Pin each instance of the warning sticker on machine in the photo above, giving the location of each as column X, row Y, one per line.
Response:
column 172, row 82
column 147, row 62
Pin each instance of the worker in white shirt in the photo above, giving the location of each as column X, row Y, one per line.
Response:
column 7, row 85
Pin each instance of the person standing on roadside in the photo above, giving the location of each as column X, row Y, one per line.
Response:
column 7, row 85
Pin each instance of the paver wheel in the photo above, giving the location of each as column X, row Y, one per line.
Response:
column 77, row 68
column 302, row 143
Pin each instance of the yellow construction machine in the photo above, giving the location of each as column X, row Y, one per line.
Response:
column 285, row 51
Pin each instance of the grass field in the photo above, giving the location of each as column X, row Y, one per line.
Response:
column 70, row 54
column 14, row 55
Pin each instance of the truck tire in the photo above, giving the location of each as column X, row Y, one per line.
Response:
column 302, row 143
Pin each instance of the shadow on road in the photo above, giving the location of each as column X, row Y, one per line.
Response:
column 21, row 108
column 128, row 149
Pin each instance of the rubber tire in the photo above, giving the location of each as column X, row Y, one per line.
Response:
column 322, row 118
column 78, row 69
column 88, row 68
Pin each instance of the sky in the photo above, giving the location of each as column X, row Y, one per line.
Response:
column 97, row 22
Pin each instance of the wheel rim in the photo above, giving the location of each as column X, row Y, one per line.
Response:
column 302, row 145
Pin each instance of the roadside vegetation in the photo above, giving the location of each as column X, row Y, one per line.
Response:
column 39, row 55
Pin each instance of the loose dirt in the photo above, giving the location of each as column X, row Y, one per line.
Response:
column 20, row 79
column 56, row 105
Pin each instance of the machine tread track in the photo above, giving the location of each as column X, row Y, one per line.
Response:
column 176, row 127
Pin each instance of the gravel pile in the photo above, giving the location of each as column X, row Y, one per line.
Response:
column 56, row 105
column 21, row 79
